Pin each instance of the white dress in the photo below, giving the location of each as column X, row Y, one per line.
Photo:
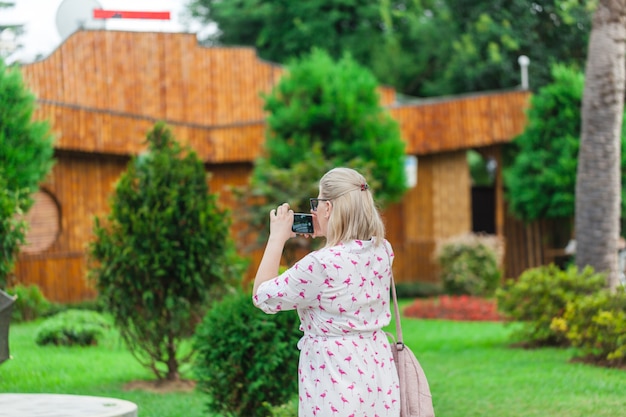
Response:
column 341, row 294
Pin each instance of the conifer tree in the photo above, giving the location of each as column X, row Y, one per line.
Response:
column 161, row 253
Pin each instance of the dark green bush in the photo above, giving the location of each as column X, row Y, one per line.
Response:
column 247, row 360
column 71, row 328
column 418, row 289
column 470, row 264
column 597, row 325
column 30, row 303
column 541, row 294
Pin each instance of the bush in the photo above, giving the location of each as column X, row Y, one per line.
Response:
column 541, row 294
column 470, row 264
column 247, row 360
column 30, row 303
column 289, row 409
column 418, row 289
column 596, row 324
column 71, row 328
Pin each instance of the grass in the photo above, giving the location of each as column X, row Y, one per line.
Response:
column 99, row 370
column 471, row 370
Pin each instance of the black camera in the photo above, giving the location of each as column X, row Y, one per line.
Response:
column 302, row 223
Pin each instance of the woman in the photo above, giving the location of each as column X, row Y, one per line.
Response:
column 341, row 293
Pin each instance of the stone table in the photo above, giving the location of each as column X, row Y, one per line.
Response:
column 60, row 405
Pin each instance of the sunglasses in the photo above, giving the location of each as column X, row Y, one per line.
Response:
column 316, row 202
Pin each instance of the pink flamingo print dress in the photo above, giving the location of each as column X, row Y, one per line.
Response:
column 341, row 294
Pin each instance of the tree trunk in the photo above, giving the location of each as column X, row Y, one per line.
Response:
column 598, row 185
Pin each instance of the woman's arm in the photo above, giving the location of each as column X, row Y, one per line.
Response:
column 281, row 221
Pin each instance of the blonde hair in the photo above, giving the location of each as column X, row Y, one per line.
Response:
column 354, row 215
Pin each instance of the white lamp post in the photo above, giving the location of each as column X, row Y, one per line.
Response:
column 524, row 61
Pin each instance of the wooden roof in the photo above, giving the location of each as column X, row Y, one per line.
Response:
column 103, row 90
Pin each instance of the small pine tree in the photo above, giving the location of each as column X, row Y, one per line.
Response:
column 164, row 249
column 26, row 148
column 323, row 114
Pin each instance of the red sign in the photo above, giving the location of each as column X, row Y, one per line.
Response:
column 118, row 14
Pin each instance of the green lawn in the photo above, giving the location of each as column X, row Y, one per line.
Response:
column 471, row 370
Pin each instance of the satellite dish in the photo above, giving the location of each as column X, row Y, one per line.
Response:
column 77, row 14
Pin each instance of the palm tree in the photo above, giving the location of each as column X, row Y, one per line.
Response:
column 598, row 186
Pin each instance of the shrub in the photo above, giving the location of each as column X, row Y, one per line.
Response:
column 71, row 328
column 30, row 303
column 541, row 294
column 247, row 360
column 470, row 264
column 596, row 324
column 418, row 289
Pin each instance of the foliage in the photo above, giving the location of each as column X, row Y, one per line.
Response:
column 323, row 114
column 597, row 324
column 12, row 229
column 541, row 294
column 479, row 169
column 422, row 48
column 30, row 303
column 25, row 159
column 379, row 35
column 418, row 289
column 289, row 409
column 540, row 180
column 271, row 185
column 72, row 328
column 489, row 37
column 162, row 253
column 470, row 264
column 247, row 360
column 335, row 105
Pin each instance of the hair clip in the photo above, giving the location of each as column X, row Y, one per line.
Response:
column 364, row 187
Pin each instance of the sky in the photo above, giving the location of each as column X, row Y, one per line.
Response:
column 42, row 37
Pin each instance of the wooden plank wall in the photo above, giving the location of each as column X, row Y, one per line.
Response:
column 82, row 185
column 112, row 86
column 533, row 244
column 465, row 122
column 437, row 208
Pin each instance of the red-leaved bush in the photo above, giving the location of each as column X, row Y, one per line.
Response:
column 454, row 307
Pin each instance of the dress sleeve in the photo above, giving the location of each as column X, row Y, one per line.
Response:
column 297, row 287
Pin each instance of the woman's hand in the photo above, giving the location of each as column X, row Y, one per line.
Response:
column 281, row 222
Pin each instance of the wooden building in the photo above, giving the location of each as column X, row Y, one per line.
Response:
column 102, row 91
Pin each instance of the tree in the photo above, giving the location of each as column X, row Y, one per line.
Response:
column 9, row 33
column 541, row 163
column 324, row 113
column 598, row 182
column 399, row 41
column 163, row 250
column 540, row 180
column 420, row 47
column 26, row 149
column 489, row 36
